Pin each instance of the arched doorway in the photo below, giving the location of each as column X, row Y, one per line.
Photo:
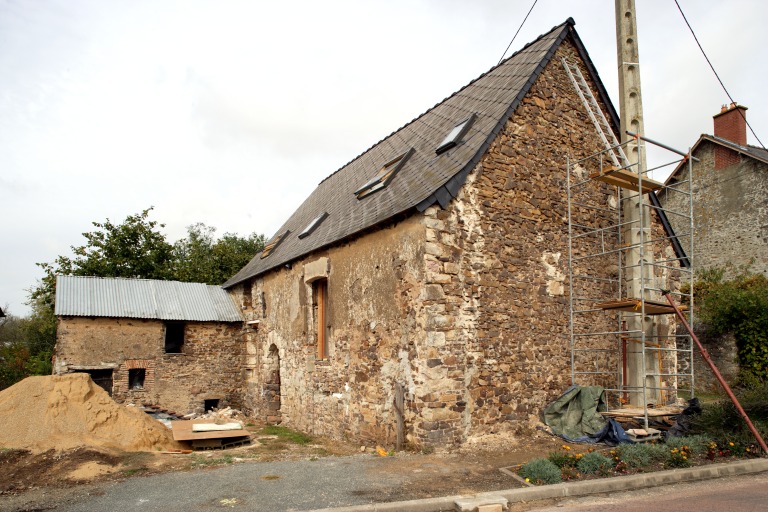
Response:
column 272, row 385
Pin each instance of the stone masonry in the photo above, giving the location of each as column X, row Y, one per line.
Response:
column 209, row 366
column 466, row 308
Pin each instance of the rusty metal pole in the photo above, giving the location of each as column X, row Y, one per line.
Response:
column 719, row 377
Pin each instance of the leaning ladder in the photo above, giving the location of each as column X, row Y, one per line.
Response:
column 615, row 150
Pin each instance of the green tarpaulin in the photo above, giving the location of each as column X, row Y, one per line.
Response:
column 575, row 414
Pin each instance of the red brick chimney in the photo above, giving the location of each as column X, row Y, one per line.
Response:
column 731, row 125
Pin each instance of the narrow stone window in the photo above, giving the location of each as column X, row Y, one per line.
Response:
column 174, row 337
column 248, row 294
column 136, row 378
column 320, row 312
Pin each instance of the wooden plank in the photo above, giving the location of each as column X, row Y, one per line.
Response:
column 633, row 412
column 182, row 431
column 213, row 427
column 625, row 178
column 631, row 305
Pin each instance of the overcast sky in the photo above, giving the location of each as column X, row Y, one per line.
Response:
column 231, row 112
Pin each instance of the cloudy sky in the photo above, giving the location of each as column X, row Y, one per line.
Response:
column 230, row 112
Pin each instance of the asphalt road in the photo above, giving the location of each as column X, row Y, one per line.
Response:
column 269, row 486
column 746, row 493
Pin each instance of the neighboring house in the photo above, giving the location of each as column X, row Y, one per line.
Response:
column 730, row 196
column 420, row 290
column 730, row 217
column 177, row 345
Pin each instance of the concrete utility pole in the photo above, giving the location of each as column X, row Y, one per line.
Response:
column 638, row 258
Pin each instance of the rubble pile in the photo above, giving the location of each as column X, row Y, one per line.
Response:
column 67, row 411
column 220, row 416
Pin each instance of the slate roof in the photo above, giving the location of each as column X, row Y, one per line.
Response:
column 143, row 298
column 751, row 151
column 426, row 178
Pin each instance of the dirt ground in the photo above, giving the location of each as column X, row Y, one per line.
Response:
column 36, row 482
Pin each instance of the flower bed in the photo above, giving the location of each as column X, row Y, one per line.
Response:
column 568, row 464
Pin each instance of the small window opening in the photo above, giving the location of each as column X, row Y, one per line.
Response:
column 313, row 225
column 211, row 404
column 272, row 245
column 320, row 310
column 456, row 135
column 385, row 175
column 174, row 337
column 247, row 294
column 136, row 378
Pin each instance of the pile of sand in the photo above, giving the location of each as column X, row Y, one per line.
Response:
column 67, row 411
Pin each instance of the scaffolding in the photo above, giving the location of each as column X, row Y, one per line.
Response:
column 610, row 330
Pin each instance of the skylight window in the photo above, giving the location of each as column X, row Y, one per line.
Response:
column 272, row 245
column 385, row 175
column 313, row 225
column 455, row 135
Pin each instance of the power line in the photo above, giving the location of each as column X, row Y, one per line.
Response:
column 518, row 31
column 715, row 72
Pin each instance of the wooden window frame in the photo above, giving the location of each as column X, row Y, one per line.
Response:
column 320, row 309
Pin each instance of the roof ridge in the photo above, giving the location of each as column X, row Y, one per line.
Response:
column 568, row 22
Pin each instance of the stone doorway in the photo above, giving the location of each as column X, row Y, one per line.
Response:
column 272, row 385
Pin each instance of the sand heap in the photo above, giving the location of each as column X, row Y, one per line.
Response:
column 67, row 411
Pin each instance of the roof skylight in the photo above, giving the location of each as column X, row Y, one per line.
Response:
column 385, row 175
column 272, row 245
column 313, row 225
column 455, row 135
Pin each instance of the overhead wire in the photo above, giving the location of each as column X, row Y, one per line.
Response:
column 518, row 31
column 715, row 72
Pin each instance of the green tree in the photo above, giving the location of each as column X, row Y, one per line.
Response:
column 740, row 306
column 136, row 248
column 201, row 258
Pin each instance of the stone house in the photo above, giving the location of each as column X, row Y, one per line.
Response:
column 175, row 345
column 730, row 196
column 420, row 292
column 730, row 217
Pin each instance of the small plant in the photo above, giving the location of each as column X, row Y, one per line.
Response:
column 541, row 471
column 635, row 455
column 697, row 445
column 593, row 462
column 562, row 460
column 679, row 457
column 569, row 473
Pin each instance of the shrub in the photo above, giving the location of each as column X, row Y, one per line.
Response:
column 562, row 460
column 541, row 471
column 635, row 455
column 593, row 462
column 678, row 457
column 697, row 444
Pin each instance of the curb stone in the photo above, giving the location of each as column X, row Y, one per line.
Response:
column 568, row 489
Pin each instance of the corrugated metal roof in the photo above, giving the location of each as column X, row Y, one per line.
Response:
column 426, row 177
column 143, row 298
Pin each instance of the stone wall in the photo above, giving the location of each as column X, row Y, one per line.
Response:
column 208, row 367
column 730, row 211
column 374, row 327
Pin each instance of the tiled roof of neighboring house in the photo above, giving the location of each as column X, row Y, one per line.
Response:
column 143, row 298
column 751, row 151
column 426, row 178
